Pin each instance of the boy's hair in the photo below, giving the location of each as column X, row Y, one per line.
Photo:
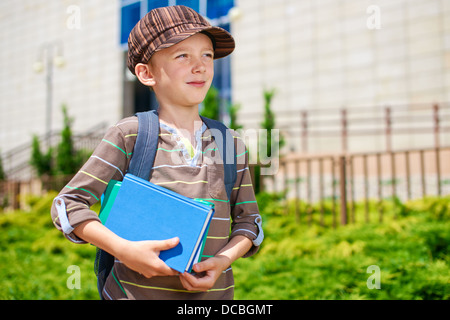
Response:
column 163, row 27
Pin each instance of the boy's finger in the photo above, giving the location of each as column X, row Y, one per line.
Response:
column 185, row 282
column 193, row 283
column 164, row 270
column 203, row 266
column 167, row 244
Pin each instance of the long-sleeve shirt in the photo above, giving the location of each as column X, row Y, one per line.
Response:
column 188, row 169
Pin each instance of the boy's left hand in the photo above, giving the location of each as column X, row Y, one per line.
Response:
column 211, row 270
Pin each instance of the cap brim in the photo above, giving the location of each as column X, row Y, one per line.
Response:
column 223, row 41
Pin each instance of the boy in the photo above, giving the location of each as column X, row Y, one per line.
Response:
column 171, row 50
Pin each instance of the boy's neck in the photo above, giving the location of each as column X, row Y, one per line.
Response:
column 181, row 118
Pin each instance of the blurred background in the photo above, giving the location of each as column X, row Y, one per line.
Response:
column 319, row 57
column 358, row 89
column 346, row 76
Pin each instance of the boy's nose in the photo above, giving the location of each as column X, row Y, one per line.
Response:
column 198, row 66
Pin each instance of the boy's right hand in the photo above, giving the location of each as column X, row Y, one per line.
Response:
column 143, row 257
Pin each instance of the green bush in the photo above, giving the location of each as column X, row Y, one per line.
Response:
column 36, row 257
column 300, row 262
column 295, row 261
column 41, row 162
column 66, row 160
column 211, row 104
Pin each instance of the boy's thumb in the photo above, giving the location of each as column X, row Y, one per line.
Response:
column 203, row 266
column 168, row 244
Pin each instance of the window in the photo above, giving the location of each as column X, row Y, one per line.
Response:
column 218, row 8
column 152, row 4
column 131, row 13
column 194, row 4
column 133, row 10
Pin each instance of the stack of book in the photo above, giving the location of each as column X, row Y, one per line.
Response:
column 138, row 210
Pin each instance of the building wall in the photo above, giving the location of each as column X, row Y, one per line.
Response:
column 322, row 55
column 317, row 54
column 90, row 83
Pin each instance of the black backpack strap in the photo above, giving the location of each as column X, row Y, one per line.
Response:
column 225, row 142
column 146, row 144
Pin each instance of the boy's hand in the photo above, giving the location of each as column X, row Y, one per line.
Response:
column 211, row 270
column 143, row 257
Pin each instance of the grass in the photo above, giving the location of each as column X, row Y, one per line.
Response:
column 36, row 257
column 294, row 262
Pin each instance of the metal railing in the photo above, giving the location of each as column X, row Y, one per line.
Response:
column 339, row 181
column 16, row 162
column 356, row 129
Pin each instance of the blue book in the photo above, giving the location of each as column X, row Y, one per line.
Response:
column 136, row 210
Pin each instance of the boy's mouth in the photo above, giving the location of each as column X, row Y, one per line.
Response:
column 197, row 84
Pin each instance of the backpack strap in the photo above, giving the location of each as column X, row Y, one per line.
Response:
column 140, row 165
column 225, row 142
column 146, row 144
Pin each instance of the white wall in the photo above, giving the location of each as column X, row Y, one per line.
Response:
column 90, row 82
column 320, row 54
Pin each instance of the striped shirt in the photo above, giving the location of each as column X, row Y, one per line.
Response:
column 190, row 170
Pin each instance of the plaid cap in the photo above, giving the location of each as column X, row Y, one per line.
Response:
column 163, row 27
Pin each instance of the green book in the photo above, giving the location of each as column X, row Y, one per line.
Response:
column 108, row 198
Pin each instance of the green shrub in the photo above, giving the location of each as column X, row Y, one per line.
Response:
column 211, row 104
column 36, row 257
column 300, row 262
column 68, row 159
column 295, row 261
column 41, row 162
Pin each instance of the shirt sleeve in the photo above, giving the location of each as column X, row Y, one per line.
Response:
column 109, row 161
column 246, row 219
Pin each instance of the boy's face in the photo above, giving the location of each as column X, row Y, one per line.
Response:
column 183, row 73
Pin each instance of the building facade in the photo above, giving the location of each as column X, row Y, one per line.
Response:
column 322, row 56
column 74, row 41
column 73, row 53
column 318, row 55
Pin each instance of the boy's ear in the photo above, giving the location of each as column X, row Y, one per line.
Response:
column 144, row 74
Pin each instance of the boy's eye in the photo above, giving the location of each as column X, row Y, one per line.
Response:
column 185, row 55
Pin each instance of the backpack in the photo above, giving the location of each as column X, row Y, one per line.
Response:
column 142, row 162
